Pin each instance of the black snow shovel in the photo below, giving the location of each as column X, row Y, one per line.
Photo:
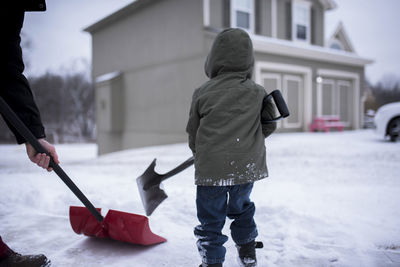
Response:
column 149, row 182
column 149, row 185
column 117, row 225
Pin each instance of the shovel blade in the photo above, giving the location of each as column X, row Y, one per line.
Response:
column 83, row 222
column 152, row 196
column 117, row 225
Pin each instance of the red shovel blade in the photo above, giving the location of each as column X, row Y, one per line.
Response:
column 117, row 225
column 83, row 222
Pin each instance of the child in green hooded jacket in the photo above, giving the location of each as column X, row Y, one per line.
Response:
column 226, row 137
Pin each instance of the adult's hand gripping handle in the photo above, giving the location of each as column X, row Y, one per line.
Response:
column 15, row 121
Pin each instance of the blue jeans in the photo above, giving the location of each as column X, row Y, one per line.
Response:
column 213, row 205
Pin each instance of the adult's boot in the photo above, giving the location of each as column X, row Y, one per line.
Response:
column 211, row 265
column 17, row 260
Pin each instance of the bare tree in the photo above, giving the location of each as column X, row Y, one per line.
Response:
column 66, row 102
column 27, row 46
column 67, row 106
column 6, row 135
column 387, row 90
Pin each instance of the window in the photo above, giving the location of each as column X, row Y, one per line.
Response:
column 335, row 97
column 242, row 14
column 335, row 44
column 301, row 21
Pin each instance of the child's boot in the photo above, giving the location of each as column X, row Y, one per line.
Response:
column 247, row 253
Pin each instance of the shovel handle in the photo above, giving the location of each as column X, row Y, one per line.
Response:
column 178, row 169
column 280, row 104
column 12, row 118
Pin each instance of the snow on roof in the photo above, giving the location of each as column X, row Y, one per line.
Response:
column 107, row 76
column 302, row 50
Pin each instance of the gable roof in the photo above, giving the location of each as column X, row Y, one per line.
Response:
column 340, row 35
column 328, row 4
column 135, row 5
column 120, row 13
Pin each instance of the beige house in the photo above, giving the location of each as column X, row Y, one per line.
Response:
column 148, row 58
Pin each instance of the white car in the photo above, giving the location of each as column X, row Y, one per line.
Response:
column 387, row 121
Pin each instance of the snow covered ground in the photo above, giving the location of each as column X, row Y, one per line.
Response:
column 331, row 200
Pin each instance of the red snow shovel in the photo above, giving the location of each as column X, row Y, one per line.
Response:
column 122, row 226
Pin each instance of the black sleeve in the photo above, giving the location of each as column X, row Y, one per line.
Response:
column 268, row 113
column 193, row 123
column 14, row 87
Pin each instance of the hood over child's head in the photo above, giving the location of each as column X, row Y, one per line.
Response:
column 232, row 51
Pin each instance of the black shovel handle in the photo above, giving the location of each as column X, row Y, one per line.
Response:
column 280, row 104
column 158, row 178
column 178, row 169
column 12, row 118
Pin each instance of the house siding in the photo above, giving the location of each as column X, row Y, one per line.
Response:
column 159, row 49
column 216, row 14
column 152, row 35
column 284, row 20
column 263, row 18
column 317, row 23
column 161, row 60
column 220, row 14
column 158, row 105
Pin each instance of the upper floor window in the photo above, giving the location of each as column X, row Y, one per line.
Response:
column 242, row 14
column 301, row 17
column 335, row 44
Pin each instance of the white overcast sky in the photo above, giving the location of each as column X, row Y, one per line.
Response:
column 59, row 44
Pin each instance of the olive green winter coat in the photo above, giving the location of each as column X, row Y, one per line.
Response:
column 224, row 127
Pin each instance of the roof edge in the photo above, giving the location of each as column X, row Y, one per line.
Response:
column 282, row 47
column 118, row 14
column 328, row 4
column 311, row 52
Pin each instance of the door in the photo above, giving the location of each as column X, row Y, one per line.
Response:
column 328, row 97
column 292, row 92
column 346, row 98
column 272, row 81
column 292, row 87
column 336, row 97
